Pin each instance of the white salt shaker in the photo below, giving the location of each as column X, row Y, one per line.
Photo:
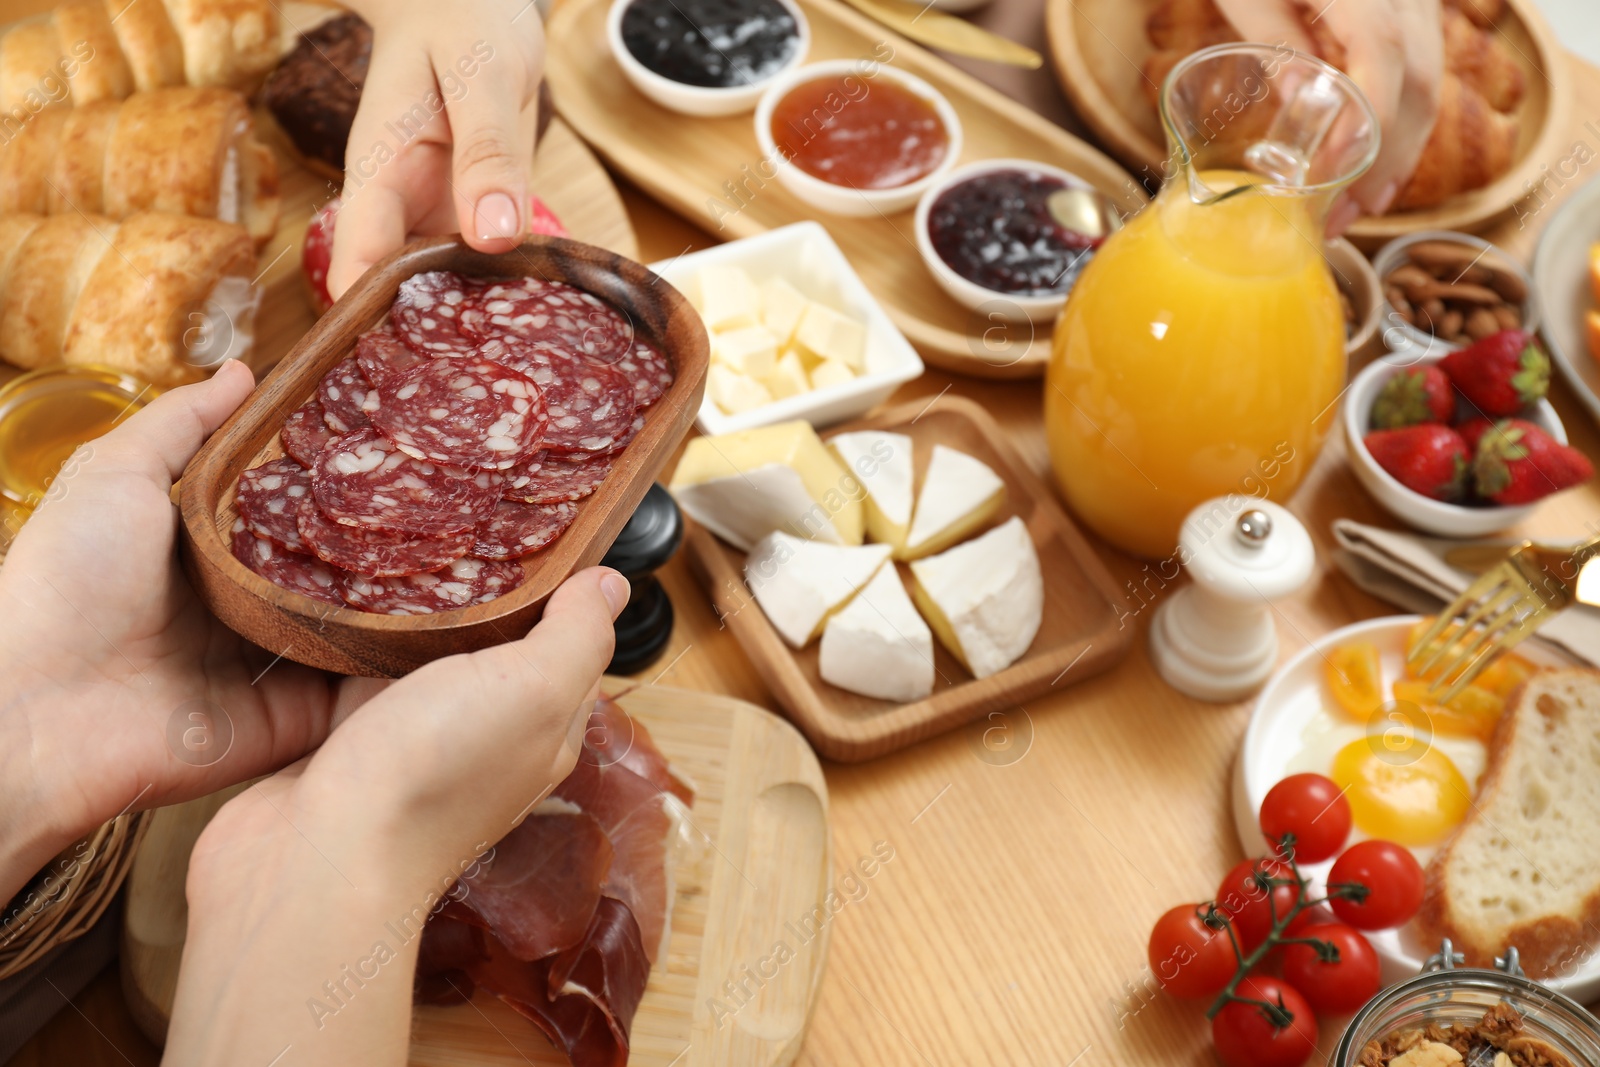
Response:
column 1216, row 640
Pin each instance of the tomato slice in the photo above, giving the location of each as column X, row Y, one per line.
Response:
column 1355, row 679
column 1473, row 712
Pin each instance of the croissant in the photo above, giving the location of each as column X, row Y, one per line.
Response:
column 1470, row 146
column 184, row 151
column 1178, row 28
column 1482, row 62
column 164, row 297
column 1483, row 13
column 90, row 50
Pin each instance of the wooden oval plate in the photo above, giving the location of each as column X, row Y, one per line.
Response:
column 707, row 169
column 1099, row 48
column 356, row 642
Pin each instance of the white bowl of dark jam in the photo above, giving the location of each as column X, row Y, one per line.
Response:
column 706, row 57
column 856, row 137
column 989, row 239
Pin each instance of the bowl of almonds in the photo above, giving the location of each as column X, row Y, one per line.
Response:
column 1445, row 290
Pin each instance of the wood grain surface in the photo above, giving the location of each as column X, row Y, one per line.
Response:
column 755, row 874
column 349, row 641
column 1098, row 48
column 710, row 171
column 1079, row 633
column 1009, row 930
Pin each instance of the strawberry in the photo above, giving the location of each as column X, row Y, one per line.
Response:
column 1501, row 374
column 1472, row 432
column 542, row 220
column 1429, row 459
column 1421, row 394
column 317, row 254
column 1518, row 463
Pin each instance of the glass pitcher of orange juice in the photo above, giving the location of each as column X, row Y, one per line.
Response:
column 1201, row 352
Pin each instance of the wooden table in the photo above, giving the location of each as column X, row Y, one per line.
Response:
column 1009, row 929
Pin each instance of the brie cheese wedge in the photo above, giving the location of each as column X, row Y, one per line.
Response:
column 882, row 462
column 743, row 486
column 984, row 599
column 800, row 583
column 959, row 495
column 878, row 645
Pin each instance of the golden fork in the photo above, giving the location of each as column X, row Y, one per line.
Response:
column 1504, row 606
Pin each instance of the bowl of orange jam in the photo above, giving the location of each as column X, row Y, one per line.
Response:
column 856, row 137
column 1347, row 707
column 46, row 414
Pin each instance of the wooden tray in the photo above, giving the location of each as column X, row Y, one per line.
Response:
column 684, row 162
column 1099, row 48
column 762, row 806
column 348, row 641
column 1079, row 637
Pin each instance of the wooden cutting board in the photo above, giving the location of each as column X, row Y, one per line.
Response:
column 762, row 868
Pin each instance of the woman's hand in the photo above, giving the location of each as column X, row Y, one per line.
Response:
column 1392, row 49
column 111, row 662
column 443, row 140
column 308, row 892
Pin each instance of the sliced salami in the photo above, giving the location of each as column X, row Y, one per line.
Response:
column 447, row 588
column 539, row 312
column 591, row 407
column 499, row 577
column 363, row 479
column 269, row 499
column 551, row 477
column 376, row 553
column 294, row 571
column 516, row 529
column 649, row 369
column 343, row 391
column 306, row 433
column 381, row 355
column 427, row 309
column 467, row 412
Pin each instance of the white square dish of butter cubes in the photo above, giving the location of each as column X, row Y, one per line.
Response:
column 898, row 576
column 794, row 332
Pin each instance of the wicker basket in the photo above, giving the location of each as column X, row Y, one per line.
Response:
column 68, row 897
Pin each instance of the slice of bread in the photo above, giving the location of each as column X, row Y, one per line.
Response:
column 1523, row 869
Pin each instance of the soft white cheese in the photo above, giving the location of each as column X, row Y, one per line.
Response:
column 959, row 494
column 800, row 583
column 984, row 599
column 882, row 463
column 878, row 645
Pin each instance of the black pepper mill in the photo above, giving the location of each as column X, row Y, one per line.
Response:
column 644, row 545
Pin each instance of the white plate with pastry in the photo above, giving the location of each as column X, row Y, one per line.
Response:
column 1534, row 777
column 1566, row 276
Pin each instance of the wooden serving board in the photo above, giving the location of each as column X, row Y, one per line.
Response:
column 1099, row 48
column 684, row 162
column 762, row 807
column 1080, row 635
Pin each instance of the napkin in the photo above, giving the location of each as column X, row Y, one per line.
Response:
column 1410, row 571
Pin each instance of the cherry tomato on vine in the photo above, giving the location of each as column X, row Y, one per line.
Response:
column 1312, row 916
column 1394, row 882
column 1189, row 958
column 1253, row 910
column 1338, row 986
column 1246, row 1035
column 1313, row 809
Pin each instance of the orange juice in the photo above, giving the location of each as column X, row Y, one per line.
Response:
column 1200, row 354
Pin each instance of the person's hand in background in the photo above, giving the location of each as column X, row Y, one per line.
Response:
column 443, row 140
column 327, row 871
column 1392, row 49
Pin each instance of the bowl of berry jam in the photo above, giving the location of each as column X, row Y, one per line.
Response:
column 992, row 241
column 706, row 57
column 856, row 137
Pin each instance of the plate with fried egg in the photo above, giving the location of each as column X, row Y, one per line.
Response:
column 1346, row 707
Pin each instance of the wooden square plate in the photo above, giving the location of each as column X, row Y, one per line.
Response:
column 357, row 642
column 1078, row 637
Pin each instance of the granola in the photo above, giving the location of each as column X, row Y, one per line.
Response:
column 1496, row 1040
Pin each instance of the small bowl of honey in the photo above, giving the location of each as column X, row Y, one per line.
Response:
column 46, row 414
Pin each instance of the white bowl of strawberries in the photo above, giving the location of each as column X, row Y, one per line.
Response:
column 1463, row 443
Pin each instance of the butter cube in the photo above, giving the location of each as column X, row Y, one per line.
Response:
column 831, row 372
column 751, row 351
column 733, row 392
column 788, row 378
column 829, row 335
column 782, row 307
column 729, row 300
